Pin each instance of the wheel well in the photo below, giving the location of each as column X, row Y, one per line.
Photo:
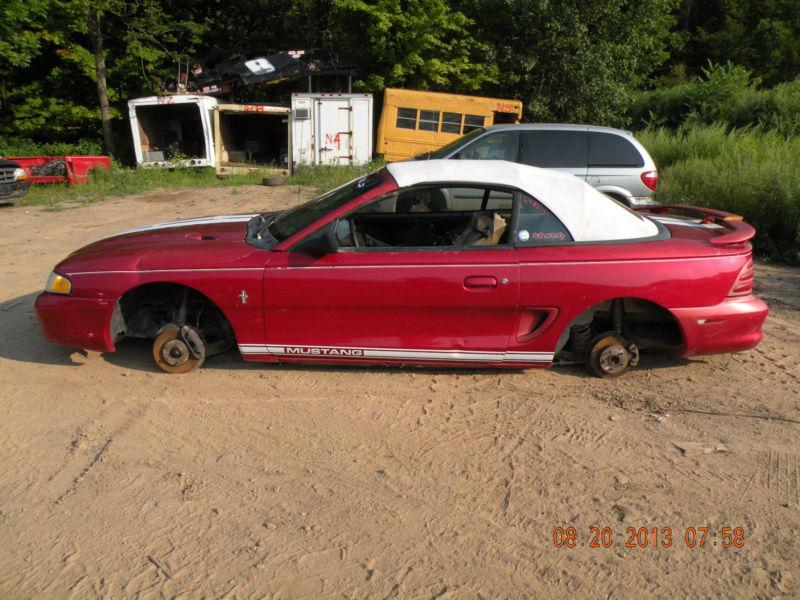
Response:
column 618, row 197
column 142, row 312
column 645, row 323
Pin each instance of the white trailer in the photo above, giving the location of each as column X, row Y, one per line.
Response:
column 173, row 129
column 332, row 129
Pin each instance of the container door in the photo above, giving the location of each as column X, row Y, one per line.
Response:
column 361, row 121
column 301, row 131
column 333, row 131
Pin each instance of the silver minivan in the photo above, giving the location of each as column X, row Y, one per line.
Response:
column 608, row 159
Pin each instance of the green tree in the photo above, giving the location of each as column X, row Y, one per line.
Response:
column 573, row 60
column 20, row 39
column 93, row 55
column 761, row 35
column 422, row 44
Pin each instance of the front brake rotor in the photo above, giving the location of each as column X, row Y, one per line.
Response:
column 178, row 349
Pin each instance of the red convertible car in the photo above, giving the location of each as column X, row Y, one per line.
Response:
column 445, row 263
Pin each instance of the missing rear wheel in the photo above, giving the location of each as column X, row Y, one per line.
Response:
column 610, row 355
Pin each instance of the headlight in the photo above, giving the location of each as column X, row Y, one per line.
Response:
column 20, row 175
column 58, row 284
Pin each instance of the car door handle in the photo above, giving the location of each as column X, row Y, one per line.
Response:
column 480, row 281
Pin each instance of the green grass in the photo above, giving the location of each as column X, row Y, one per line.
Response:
column 329, row 177
column 124, row 182
column 750, row 172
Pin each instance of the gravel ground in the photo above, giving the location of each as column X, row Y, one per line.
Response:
column 243, row 480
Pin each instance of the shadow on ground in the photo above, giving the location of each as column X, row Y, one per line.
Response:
column 22, row 341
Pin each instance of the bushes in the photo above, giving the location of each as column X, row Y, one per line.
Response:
column 750, row 172
column 725, row 94
column 19, row 146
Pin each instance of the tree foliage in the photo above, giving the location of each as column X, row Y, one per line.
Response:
column 760, row 35
column 571, row 60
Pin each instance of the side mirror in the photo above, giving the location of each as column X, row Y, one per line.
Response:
column 319, row 243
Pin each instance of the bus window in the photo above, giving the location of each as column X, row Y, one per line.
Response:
column 451, row 122
column 429, row 120
column 472, row 122
column 406, row 118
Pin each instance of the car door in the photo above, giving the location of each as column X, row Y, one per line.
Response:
column 414, row 304
column 563, row 150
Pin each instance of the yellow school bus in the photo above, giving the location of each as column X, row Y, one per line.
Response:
column 414, row 121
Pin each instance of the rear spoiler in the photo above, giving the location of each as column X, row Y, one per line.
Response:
column 739, row 230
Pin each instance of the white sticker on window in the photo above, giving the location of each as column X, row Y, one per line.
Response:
column 523, row 235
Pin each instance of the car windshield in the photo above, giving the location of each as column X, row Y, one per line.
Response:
column 454, row 145
column 290, row 222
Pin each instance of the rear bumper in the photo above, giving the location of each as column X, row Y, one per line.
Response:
column 76, row 322
column 731, row 326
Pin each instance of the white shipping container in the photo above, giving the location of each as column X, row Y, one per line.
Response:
column 332, row 129
column 170, row 129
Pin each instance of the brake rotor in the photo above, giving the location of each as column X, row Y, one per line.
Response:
column 177, row 351
column 610, row 355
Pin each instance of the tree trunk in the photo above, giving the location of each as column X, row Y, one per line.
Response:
column 100, row 69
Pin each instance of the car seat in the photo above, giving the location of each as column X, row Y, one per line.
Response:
column 484, row 229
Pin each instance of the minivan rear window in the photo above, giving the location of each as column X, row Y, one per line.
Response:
column 553, row 149
column 609, row 150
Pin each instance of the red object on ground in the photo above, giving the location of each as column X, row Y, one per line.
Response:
column 56, row 169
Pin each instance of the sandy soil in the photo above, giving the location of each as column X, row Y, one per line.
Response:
column 245, row 481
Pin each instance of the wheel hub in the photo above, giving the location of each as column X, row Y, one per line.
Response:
column 613, row 359
column 175, row 353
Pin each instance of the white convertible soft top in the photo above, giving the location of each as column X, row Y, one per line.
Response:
column 589, row 215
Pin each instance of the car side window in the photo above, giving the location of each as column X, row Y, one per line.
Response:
column 610, row 150
column 537, row 226
column 430, row 217
column 495, row 146
column 553, row 149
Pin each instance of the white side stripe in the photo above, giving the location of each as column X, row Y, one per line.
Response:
column 394, row 353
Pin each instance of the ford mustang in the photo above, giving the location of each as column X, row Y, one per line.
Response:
column 440, row 263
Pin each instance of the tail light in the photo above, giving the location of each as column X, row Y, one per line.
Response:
column 650, row 180
column 744, row 282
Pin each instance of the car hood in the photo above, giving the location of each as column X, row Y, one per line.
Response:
column 207, row 242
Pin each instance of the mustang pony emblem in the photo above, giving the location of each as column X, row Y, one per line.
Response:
column 243, row 297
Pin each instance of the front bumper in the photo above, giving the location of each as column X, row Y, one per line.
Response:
column 731, row 326
column 76, row 322
column 11, row 192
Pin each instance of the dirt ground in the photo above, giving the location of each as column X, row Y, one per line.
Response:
column 251, row 481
